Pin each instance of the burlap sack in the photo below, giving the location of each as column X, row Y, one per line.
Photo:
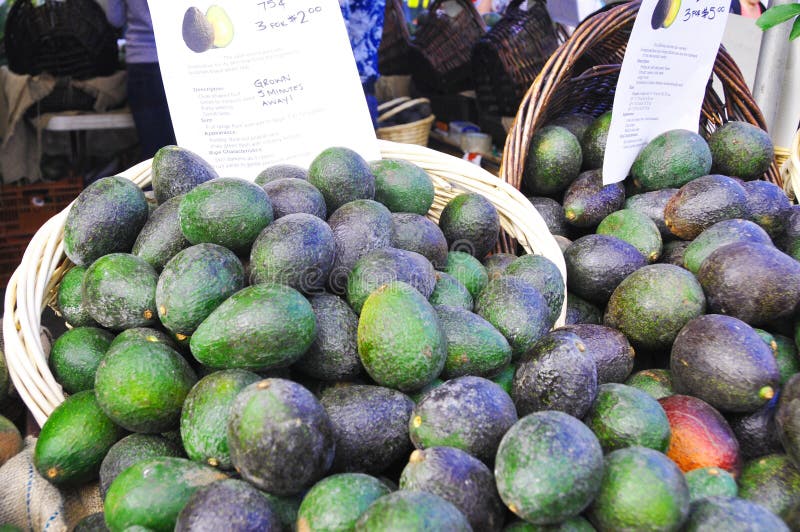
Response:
column 30, row 502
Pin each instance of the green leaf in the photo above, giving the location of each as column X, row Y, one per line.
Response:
column 777, row 14
column 795, row 30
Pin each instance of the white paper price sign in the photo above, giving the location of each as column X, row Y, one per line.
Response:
column 254, row 83
column 663, row 78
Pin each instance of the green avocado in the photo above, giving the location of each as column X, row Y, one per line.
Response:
column 336, row 502
column 70, row 299
column 402, row 186
column 75, row 355
column 412, row 510
column 161, row 238
column 132, row 449
column 471, row 224
column 342, row 176
column 177, row 170
column 671, row 160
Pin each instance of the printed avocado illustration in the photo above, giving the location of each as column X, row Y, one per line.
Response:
column 223, row 27
column 198, row 32
column 665, row 13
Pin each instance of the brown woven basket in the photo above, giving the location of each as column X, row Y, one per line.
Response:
column 506, row 60
column 395, row 41
column 440, row 57
column 582, row 75
column 411, row 133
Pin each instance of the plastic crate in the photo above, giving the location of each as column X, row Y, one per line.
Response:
column 23, row 210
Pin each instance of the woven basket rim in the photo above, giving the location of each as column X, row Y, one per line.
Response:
column 34, row 283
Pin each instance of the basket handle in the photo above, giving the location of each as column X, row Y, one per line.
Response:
column 391, row 103
column 402, row 107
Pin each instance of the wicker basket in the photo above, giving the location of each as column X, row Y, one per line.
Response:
column 441, row 53
column 35, row 281
column 416, row 132
column 790, row 170
column 507, row 59
column 395, row 41
column 582, row 75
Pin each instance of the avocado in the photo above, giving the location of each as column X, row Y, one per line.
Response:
column 721, row 234
column 228, row 504
column 75, row 356
column 105, row 218
column 280, row 437
column 593, row 141
column 753, row 282
column 471, row 224
column 402, row 186
column 581, row 311
column 787, row 419
column 221, row 24
column 358, row 228
column 652, row 305
column 468, row 413
column 333, row 356
column 400, row 341
column 587, row 201
column 204, row 416
column 703, row 202
column 597, row 264
column 671, row 160
column 467, row 270
column 412, row 510
column 474, row 346
column 151, row 493
column 673, row 252
column 656, row 382
column 705, row 350
column 177, row 170
column 95, row 522
column 787, row 358
column 789, row 240
column 342, row 176
column 545, row 276
column 555, row 374
column 194, row 283
column 652, row 205
column 69, row 299
column 516, row 309
column 624, row 416
column 575, row 123
column 641, row 488
column 553, row 161
column 710, row 482
column 700, row 435
column 731, row 514
column 297, row 251
column 74, row 440
column 460, row 479
column 197, row 31
column 10, row 440
column 549, row 467
column 259, row 327
column 142, row 385
column 505, row 378
column 756, row 432
column 336, row 502
column 292, row 195
column 382, row 266
column 281, row 171
column 450, row 292
column 413, row 232
column 119, row 291
column 161, row 238
column 552, row 213
column 612, row 353
column 143, row 334
column 227, row 211
column 772, row 481
column 741, row 149
column 130, row 450
column 370, row 426
column 634, row 228
column 665, row 13
column 768, row 206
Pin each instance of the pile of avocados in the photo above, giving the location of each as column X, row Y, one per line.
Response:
column 309, row 351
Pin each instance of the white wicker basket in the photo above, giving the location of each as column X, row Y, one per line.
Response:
column 34, row 283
